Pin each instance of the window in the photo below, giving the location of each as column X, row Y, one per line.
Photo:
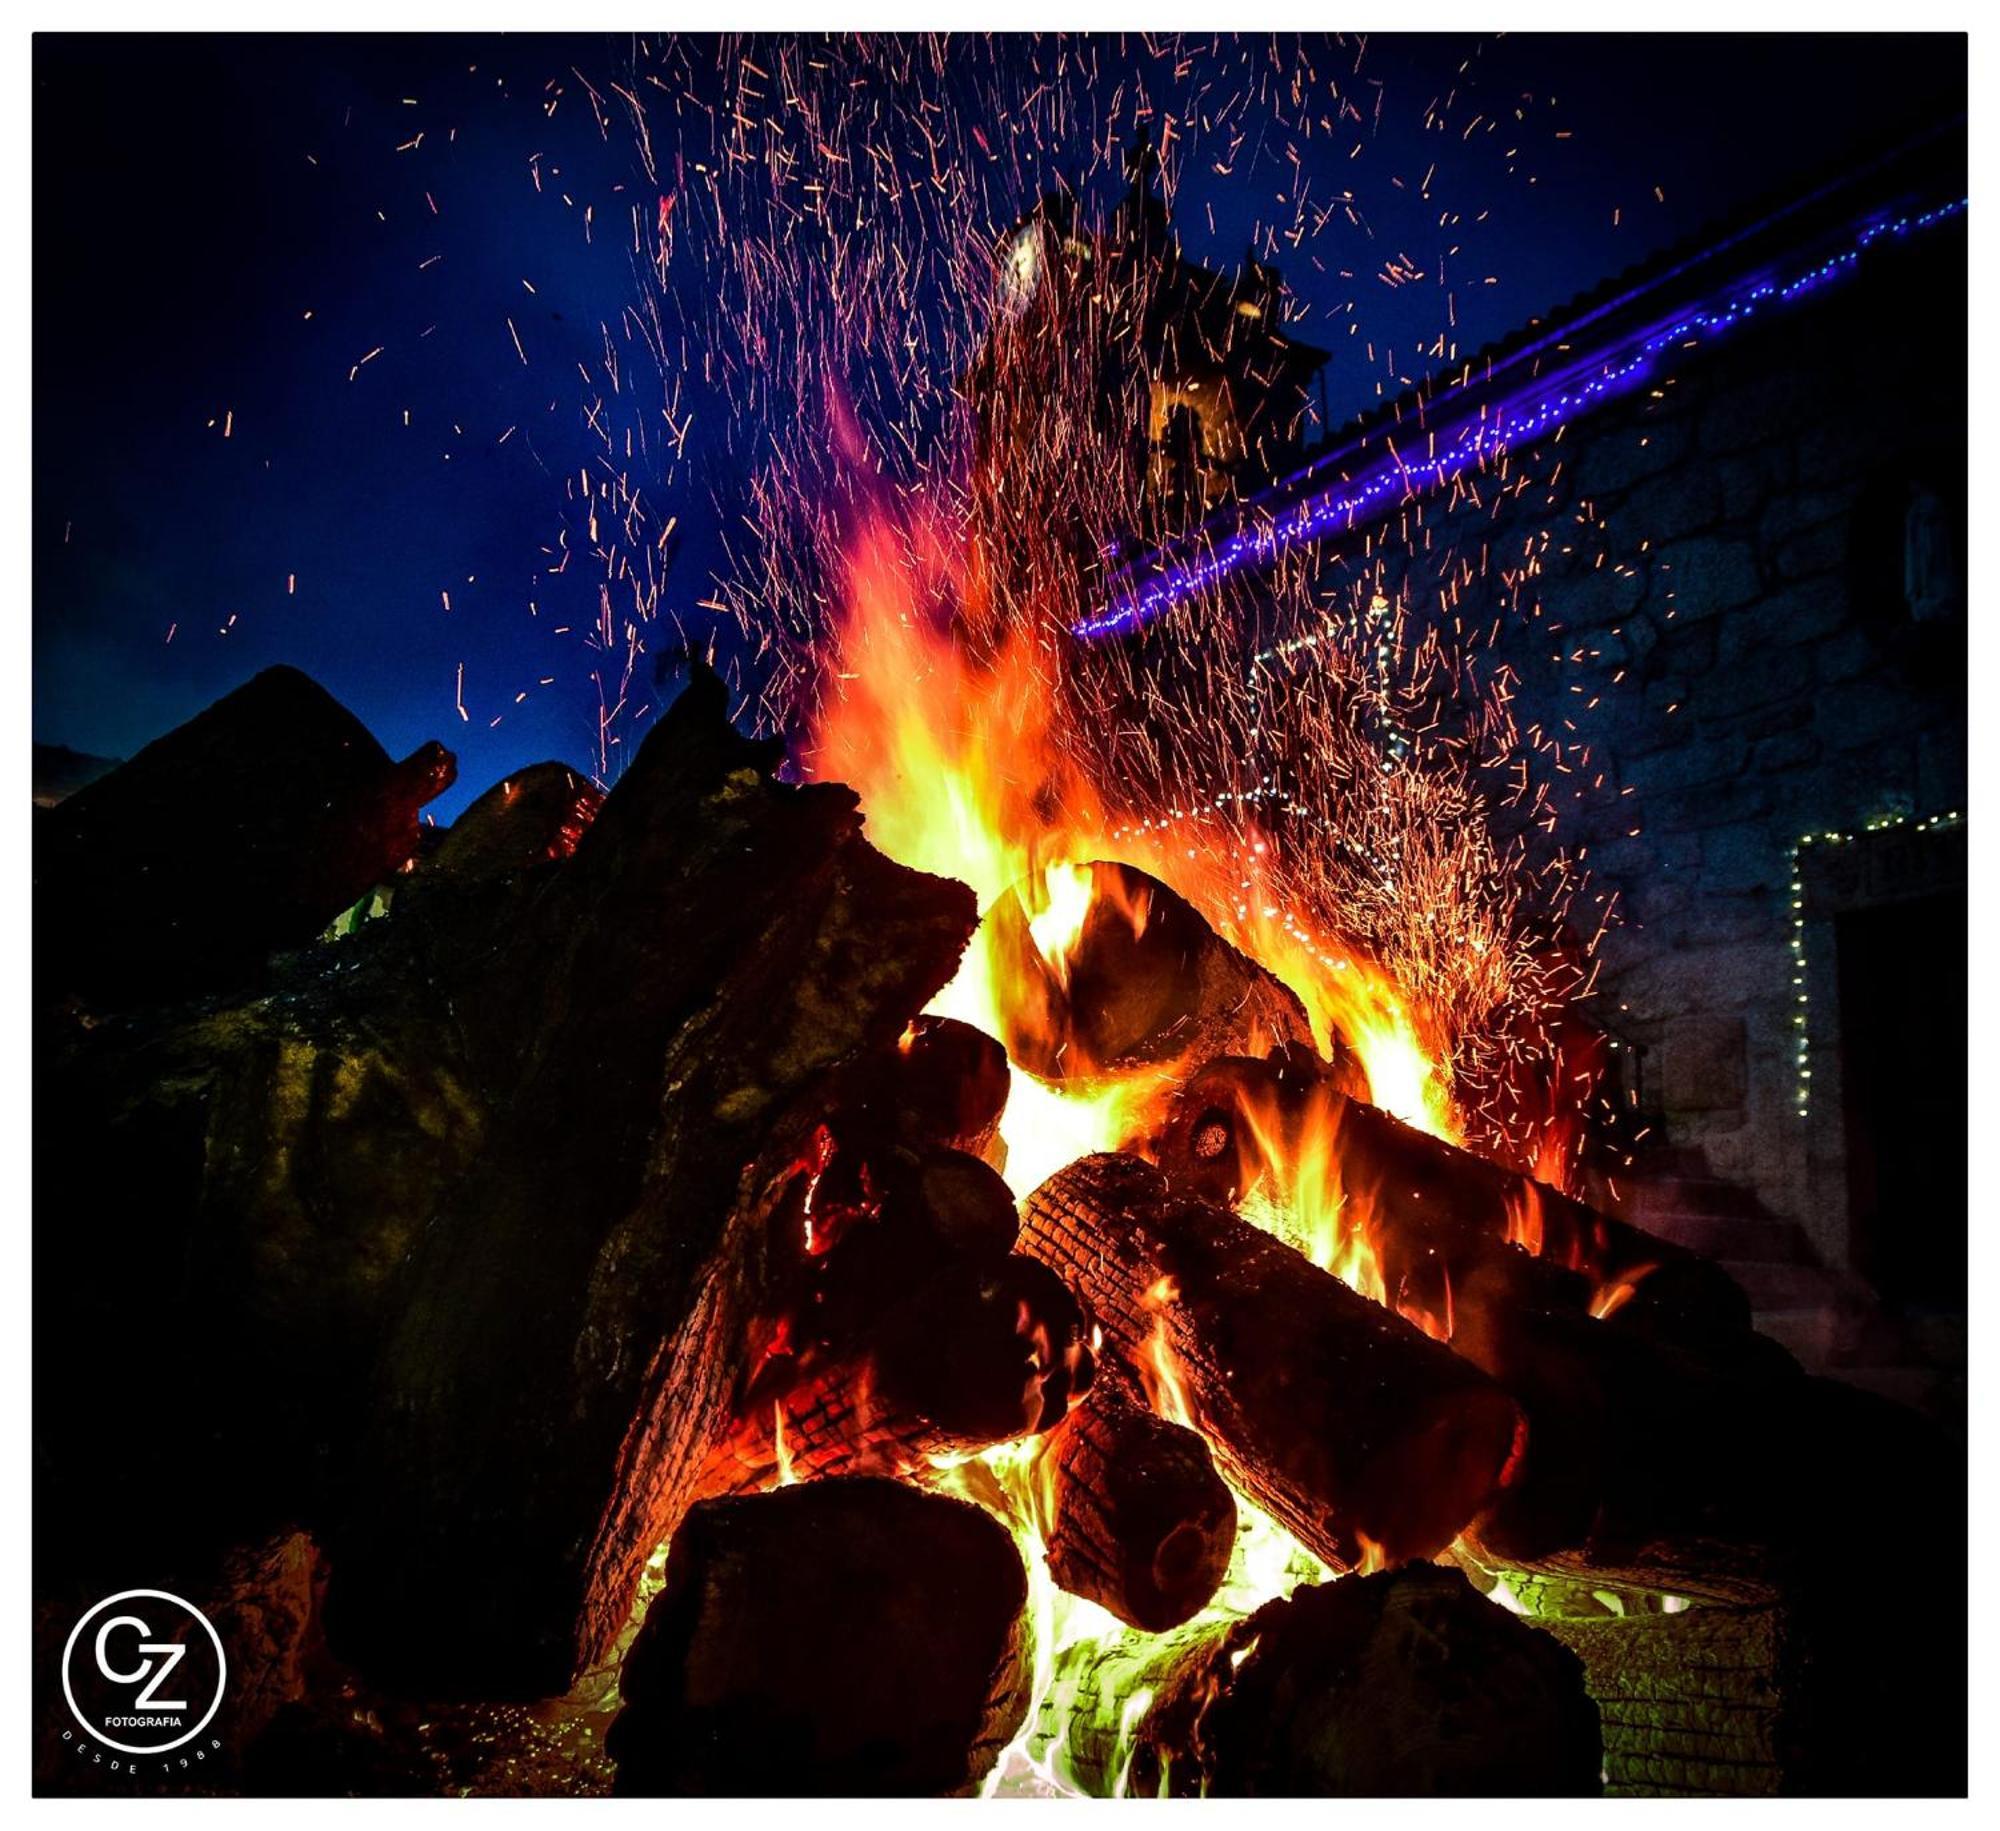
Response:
column 1932, row 589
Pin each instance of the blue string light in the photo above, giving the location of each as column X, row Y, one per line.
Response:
column 1522, row 419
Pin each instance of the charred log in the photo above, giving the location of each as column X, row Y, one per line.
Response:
column 497, row 1181
column 949, row 1084
column 978, row 1353
column 943, row 1084
column 956, row 1203
column 879, row 1228
column 1339, row 1418
column 1405, row 1684
column 534, row 817
column 1143, row 979
column 840, row 1638
column 1142, row 1524
column 1643, row 1385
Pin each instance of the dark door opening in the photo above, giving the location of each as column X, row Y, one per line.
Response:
column 1903, row 1017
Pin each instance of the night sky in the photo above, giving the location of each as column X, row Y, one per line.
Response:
column 197, row 198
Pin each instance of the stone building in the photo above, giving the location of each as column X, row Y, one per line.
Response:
column 1716, row 512
column 1220, row 386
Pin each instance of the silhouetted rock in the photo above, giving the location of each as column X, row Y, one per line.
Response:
column 246, row 830
column 1409, row 1684
column 841, row 1637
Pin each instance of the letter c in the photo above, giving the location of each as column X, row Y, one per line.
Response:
column 103, row 1661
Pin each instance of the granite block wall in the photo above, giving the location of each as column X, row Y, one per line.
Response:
column 1732, row 606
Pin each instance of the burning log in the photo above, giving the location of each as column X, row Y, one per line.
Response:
column 1406, row 1684
column 976, row 1354
column 501, row 1180
column 534, row 817
column 1142, row 1524
column 244, row 831
column 949, row 1085
column 934, row 1206
column 1238, row 1126
column 944, row 1084
column 842, row 1638
column 1632, row 1360
column 1425, row 1207
column 1337, row 1417
column 1108, row 969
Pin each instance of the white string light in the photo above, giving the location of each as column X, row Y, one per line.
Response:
column 1802, row 1042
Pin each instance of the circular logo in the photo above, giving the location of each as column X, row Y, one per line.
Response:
column 139, row 1676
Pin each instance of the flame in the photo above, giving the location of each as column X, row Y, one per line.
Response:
column 783, row 1449
column 1583, row 1247
column 1349, row 999
column 949, row 755
column 1526, row 1224
column 1159, row 1368
column 1067, row 892
column 1614, row 1293
column 1303, row 1197
column 956, row 756
column 1071, row 1636
column 1312, row 1196
column 941, row 700
column 961, row 772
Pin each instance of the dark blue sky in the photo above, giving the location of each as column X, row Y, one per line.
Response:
column 197, row 198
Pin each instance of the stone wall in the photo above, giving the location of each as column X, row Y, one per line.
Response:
column 1701, row 590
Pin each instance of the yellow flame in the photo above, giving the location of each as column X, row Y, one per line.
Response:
column 1615, row 1293
column 1068, row 1631
column 1057, row 926
column 960, row 773
column 1160, row 1370
column 1304, row 1198
column 783, row 1449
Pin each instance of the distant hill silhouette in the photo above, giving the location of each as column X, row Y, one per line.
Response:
column 61, row 771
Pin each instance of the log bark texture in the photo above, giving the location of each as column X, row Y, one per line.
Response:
column 1338, row 1417
column 1142, row 1524
column 1644, row 1387
column 978, row 1352
column 1753, row 1661
column 465, row 1219
column 535, row 816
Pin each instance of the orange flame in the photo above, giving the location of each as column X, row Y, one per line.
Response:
column 1159, row 1367
column 1583, row 1246
column 1526, row 1225
column 961, row 772
column 783, row 1450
